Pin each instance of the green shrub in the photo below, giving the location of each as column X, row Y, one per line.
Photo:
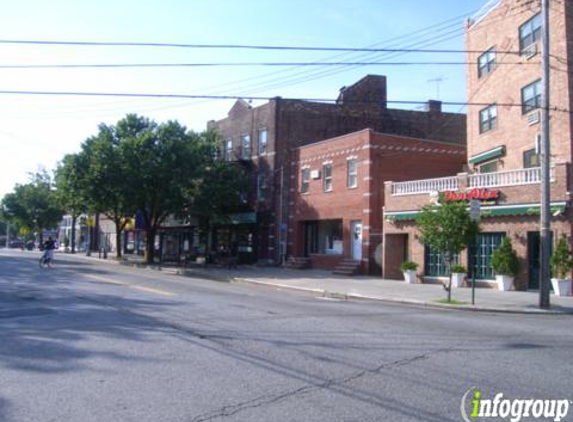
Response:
column 561, row 261
column 504, row 259
column 457, row 268
column 408, row 265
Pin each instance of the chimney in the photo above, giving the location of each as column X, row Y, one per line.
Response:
column 434, row 106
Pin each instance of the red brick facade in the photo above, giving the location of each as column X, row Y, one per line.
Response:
column 379, row 157
column 501, row 145
column 293, row 123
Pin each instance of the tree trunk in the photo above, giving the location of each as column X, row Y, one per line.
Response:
column 118, row 249
column 449, row 267
column 150, row 246
column 73, row 239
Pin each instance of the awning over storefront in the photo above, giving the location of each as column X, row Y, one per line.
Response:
column 488, row 155
column 528, row 209
column 486, row 211
column 238, row 218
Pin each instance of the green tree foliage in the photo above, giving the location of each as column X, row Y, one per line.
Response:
column 448, row 229
column 33, row 206
column 104, row 181
column 562, row 261
column 221, row 191
column 69, row 181
column 504, row 260
column 162, row 163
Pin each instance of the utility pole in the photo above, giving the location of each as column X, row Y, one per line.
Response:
column 545, row 223
column 7, row 234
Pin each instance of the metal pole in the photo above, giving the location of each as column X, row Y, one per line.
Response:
column 281, row 220
column 7, row 234
column 545, row 223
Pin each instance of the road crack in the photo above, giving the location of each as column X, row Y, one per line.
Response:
column 269, row 399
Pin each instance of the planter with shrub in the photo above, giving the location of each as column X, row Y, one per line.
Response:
column 505, row 264
column 561, row 265
column 458, row 275
column 409, row 270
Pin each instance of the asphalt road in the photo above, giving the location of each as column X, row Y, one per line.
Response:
column 85, row 342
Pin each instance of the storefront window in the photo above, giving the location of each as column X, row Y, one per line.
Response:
column 324, row 237
column 435, row 266
column 480, row 255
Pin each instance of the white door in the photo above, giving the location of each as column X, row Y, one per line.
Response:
column 356, row 241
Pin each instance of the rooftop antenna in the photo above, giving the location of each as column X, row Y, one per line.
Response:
column 437, row 81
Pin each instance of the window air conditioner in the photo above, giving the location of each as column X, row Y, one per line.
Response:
column 533, row 118
column 529, row 51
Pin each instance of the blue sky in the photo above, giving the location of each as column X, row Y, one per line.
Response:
column 37, row 131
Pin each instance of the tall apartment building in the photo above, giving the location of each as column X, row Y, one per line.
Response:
column 504, row 85
column 264, row 138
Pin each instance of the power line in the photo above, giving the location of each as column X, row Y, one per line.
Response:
column 242, row 64
column 254, row 98
column 237, row 47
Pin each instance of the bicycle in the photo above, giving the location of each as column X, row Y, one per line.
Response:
column 45, row 260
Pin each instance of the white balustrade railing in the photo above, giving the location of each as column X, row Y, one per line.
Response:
column 415, row 187
column 506, row 178
column 478, row 180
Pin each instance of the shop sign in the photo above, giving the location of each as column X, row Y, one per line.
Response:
column 482, row 195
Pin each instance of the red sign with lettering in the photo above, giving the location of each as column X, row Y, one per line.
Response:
column 479, row 194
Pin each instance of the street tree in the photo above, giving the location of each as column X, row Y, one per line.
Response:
column 447, row 228
column 222, row 191
column 33, row 206
column 104, row 180
column 69, row 180
column 162, row 162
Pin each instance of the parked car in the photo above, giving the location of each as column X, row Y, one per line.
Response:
column 17, row 244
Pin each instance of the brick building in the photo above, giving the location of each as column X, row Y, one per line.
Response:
column 263, row 138
column 502, row 155
column 335, row 217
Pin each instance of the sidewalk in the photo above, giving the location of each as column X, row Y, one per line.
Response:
column 326, row 284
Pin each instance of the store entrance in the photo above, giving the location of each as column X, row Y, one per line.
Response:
column 534, row 258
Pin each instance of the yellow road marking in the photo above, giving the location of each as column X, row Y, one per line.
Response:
column 107, row 280
column 152, row 290
column 133, row 286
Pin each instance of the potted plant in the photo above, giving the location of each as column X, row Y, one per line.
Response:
column 409, row 269
column 505, row 264
column 561, row 265
column 458, row 274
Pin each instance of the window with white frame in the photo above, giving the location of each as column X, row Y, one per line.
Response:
column 262, row 142
column 530, row 32
column 261, row 186
column 352, row 172
column 305, row 180
column 228, row 150
column 486, row 62
column 327, row 171
column 246, row 147
column 488, row 118
column 531, row 96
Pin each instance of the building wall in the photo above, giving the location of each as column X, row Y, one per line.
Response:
column 380, row 157
column 500, row 30
column 294, row 123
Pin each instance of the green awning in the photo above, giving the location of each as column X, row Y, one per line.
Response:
column 235, row 219
column 401, row 216
column 486, row 211
column 531, row 209
column 488, row 155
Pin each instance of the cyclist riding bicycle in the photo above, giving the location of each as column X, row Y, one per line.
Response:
column 48, row 256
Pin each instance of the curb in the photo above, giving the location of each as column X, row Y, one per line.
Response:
column 410, row 302
column 325, row 293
